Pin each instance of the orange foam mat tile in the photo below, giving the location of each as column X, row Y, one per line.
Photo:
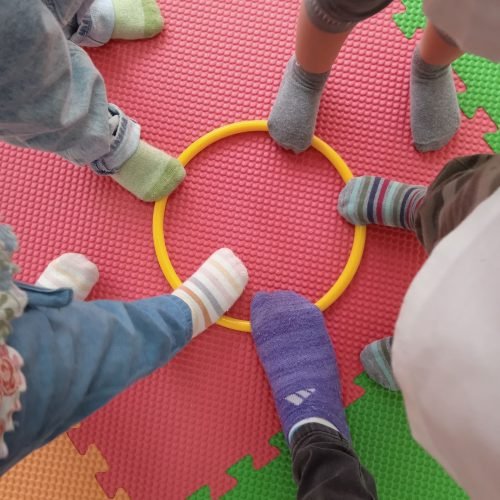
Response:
column 57, row 472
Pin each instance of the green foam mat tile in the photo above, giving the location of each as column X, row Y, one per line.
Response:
column 482, row 81
column 382, row 439
column 412, row 19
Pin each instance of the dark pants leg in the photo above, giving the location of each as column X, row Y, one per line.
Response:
column 459, row 188
column 326, row 467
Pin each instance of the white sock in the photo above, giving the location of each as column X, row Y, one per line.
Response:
column 214, row 288
column 70, row 270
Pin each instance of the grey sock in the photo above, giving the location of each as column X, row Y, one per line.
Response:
column 435, row 115
column 293, row 117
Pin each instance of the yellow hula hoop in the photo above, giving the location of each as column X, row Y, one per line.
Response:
column 202, row 143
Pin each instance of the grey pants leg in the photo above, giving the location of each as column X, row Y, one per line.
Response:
column 52, row 98
column 65, row 10
column 339, row 16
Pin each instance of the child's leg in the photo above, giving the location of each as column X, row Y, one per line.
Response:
column 93, row 23
column 298, row 358
column 323, row 26
column 325, row 466
column 78, row 357
column 52, row 98
column 435, row 115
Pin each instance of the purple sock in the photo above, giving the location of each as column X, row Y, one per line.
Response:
column 294, row 347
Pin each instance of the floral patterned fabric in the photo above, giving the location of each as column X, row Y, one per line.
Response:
column 12, row 304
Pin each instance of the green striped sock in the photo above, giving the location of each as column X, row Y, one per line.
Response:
column 374, row 200
column 376, row 360
column 136, row 19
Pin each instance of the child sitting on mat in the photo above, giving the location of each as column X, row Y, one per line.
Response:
column 431, row 213
column 52, row 98
column 61, row 358
column 446, row 343
column 323, row 27
column 299, row 360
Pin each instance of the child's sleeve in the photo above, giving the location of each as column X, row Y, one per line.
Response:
column 78, row 357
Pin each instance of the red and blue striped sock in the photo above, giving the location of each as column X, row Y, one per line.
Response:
column 295, row 349
column 374, row 200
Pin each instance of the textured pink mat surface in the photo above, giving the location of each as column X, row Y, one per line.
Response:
column 220, row 62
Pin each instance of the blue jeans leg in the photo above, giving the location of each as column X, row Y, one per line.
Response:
column 52, row 97
column 78, row 357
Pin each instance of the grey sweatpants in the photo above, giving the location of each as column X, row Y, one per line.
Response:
column 52, row 98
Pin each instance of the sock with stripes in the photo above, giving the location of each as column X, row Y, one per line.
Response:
column 376, row 360
column 70, row 270
column 374, row 200
column 298, row 357
column 213, row 289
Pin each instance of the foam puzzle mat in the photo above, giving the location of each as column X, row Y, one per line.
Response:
column 205, row 425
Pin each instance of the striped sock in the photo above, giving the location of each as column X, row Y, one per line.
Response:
column 213, row 289
column 70, row 270
column 376, row 360
column 374, row 200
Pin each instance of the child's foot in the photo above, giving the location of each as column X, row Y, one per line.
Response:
column 298, row 357
column 136, row 19
column 374, row 200
column 293, row 117
column 213, row 289
column 376, row 360
column 103, row 20
column 435, row 115
column 150, row 174
column 70, row 270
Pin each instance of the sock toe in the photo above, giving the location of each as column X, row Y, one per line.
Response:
column 236, row 262
column 280, row 132
column 170, row 174
column 154, row 22
column 424, row 145
column 345, row 197
column 376, row 360
column 268, row 308
column 136, row 19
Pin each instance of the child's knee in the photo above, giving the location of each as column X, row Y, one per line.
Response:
column 339, row 16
